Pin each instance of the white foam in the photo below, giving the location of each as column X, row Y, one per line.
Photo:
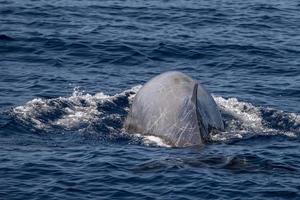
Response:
column 153, row 140
column 80, row 115
column 76, row 114
column 30, row 112
column 246, row 121
column 249, row 115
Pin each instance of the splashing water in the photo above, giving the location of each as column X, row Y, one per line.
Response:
column 244, row 120
column 104, row 114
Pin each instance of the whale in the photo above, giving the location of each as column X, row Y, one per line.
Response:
column 176, row 108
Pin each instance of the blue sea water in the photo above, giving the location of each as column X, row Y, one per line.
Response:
column 70, row 68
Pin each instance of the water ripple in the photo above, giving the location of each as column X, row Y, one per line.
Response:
column 55, row 144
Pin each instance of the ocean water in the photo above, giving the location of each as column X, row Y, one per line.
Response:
column 69, row 70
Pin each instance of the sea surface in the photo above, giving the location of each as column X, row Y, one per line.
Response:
column 69, row 70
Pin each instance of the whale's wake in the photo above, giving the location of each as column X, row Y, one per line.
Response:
column 103, row 115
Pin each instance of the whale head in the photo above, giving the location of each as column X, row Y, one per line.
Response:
column 176, row 108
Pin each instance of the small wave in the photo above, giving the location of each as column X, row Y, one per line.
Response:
column 103, row 115
column 5, row 37
column 243, row 163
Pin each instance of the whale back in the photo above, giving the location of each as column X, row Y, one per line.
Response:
column 174, row 107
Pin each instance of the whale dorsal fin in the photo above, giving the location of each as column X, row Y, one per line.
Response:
column 202, row 124
column 194, row 95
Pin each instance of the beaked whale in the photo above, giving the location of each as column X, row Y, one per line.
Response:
column 176, row 108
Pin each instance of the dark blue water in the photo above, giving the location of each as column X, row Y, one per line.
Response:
column 69, row 70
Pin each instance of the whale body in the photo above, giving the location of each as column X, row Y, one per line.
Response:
column 176, row 108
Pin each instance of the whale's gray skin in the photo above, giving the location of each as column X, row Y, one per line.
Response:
column 175, row 108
